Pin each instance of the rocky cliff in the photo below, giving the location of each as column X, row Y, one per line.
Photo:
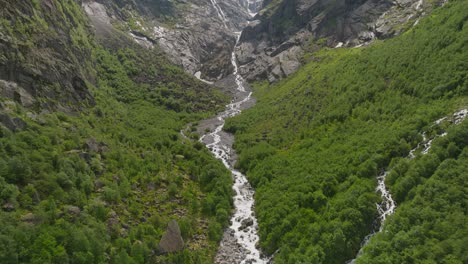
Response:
column 273, row 45
column 195, row 34
column 45, row 55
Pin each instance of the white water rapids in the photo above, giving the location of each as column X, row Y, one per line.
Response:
column 239, row 243
column 240, row 240
column 387, row 206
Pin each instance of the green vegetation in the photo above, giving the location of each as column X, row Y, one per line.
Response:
column 46, row 48
column 430, row 224
column 166, row 12
column 336, row 123
column 99, row 185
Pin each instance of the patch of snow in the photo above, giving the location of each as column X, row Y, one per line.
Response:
column 198, row 76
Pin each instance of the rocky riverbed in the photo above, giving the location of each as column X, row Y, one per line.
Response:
column 239, row 242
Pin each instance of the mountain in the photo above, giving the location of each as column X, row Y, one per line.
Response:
column 316, row 142
column 272, row 45
column 354, row 143
column 193, row 34
column 41, row 60
column 93, row 164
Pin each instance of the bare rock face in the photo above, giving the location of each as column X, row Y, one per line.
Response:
column 16, row 93
column 271, row 47
column 51, row 74
column 97, row 13
column 203, row 40
column 197, row 35
column 172, row 240
column 13, row 124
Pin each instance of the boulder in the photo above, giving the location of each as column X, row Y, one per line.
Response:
column 13, row 124
column 172, row 240
column 246, row 223
column 9, row 207
column 91, row 145
column 30, row 218
column 73, row 210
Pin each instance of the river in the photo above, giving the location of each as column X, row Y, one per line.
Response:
column 239, row 242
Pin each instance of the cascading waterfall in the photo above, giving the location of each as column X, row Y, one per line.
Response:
column 244, row 225
column 239, row 243
column 387, row 206
column 239, row 80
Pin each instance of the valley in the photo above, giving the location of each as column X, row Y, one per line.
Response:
column 235, row 131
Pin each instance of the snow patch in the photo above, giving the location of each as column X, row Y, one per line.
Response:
column 198, row 76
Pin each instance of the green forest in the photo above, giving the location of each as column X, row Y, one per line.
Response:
column 345, row 116
column 99, row 182
column 99, row 149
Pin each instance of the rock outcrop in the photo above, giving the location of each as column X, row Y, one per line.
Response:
column 172, row 240
column 45, row 60
column 13, row 124
column 195, row 34
column 271, row 47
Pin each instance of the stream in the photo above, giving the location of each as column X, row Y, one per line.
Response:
column 239, row 242
column 387, row 206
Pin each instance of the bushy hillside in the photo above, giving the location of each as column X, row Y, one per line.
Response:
column 314, row 144
column 46, row 49
column 96, row 179
column 430, row 225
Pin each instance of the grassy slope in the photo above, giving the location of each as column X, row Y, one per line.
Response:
column 65, row 202
column 334, row 124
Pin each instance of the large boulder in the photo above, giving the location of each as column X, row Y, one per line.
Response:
column 14, row 124
column 172, row 240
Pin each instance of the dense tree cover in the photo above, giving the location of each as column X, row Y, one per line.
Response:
column 336, row 123
column 100, row 185
column 430, row 224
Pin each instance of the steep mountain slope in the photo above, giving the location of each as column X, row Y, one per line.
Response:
column 42, row 59
column 315, row 142
column 93, row 166
column 273, row 44
column 98, row 164
column 192, row 33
